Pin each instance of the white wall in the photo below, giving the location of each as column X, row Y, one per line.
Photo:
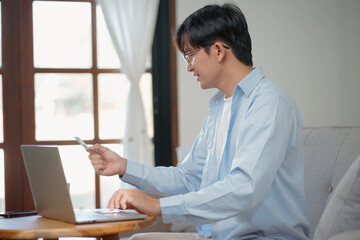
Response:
column 310, row 47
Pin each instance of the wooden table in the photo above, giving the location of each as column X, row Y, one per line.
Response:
column 33, row 227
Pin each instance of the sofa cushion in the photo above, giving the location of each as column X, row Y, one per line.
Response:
column 350, row 235
column 343, row 210
column 329, row 152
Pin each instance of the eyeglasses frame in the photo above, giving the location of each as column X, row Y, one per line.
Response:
column 187, row 55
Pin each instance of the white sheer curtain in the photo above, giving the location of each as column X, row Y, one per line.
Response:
column 131, row 24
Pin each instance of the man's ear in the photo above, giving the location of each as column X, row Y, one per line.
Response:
column 220, row 51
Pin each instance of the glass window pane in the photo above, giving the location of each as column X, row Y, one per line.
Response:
column 113, row 94
column 2, row 181
column 107, row 57
column 62, row 34
column 63, row 106
column 80, row 174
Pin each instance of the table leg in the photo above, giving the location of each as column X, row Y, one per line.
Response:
column 111, row 237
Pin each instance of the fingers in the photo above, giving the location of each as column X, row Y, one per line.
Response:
column 135, row 199
column 118, row 200
column 123, row 202
column 97, row 161
column 96, row 158
column 122, row 199
column 97, row 148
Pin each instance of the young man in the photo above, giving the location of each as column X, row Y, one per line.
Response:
column 243, row 178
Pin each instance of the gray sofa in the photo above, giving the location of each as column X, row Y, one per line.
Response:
column 329, row 151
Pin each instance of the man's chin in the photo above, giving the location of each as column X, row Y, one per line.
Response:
column 205, row 87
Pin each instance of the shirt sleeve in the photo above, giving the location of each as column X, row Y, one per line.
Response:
column 168, row 181
column 266, row 137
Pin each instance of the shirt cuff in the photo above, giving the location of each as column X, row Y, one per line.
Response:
column 133, row 172
column 172, row 209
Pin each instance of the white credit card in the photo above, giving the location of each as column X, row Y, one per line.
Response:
column 82, row 143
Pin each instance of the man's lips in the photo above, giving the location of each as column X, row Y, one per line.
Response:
column 196, row 76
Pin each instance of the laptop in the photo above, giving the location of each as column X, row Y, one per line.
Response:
column 50, row 190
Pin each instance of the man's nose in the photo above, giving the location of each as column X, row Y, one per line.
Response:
column 189, row 68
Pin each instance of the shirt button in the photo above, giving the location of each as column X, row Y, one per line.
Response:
column 331, row 189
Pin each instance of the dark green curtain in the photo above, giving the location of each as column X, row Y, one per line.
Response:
column 161, row 87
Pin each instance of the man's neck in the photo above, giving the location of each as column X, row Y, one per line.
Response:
column 233, row 73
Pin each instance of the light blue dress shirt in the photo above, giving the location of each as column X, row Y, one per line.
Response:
column 259, row 191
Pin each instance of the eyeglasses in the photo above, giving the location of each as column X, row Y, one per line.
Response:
column 188, row 56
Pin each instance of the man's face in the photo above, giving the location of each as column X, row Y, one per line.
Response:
column 203, row 65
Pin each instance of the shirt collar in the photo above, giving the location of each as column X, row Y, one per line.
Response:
column 248, row 84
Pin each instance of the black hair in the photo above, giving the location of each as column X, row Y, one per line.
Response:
column 213, row 23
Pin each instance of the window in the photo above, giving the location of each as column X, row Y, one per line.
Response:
column 64, row 81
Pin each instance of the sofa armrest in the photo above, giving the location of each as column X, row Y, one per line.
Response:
column 349, row 235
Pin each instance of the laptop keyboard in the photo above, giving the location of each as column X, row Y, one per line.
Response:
column 82, row 216
column 103, row 214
